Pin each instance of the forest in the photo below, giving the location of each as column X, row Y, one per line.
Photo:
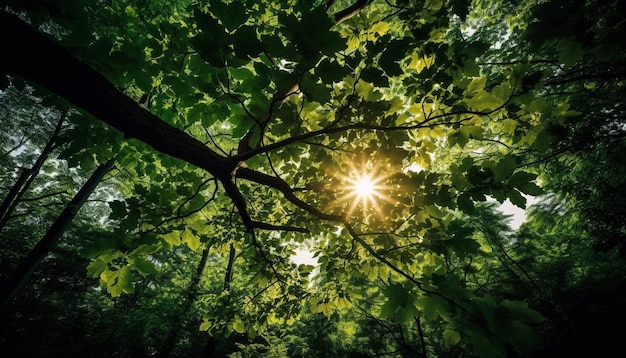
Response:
column 323, row 178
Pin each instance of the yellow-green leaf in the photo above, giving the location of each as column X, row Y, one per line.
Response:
column 205, row 325
column 477, row 85
column 96, row 267
column 172, row 238
column 380, row 27
column 191, row 240
column 238, row 325
column 509, row 125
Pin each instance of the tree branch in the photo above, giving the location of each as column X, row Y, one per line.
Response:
column 351, row 10
column 37, row 58
column 285, row 189
column 266, row 226
column 45, row 196
column 41, row 60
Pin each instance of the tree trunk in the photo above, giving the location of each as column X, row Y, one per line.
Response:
column 23, row 273
column 26, row 178
column 190, row 298
column 211, row 344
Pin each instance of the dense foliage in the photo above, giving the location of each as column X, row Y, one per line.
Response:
column 207, row 142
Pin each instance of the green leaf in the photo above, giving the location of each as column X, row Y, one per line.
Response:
column 521, row 178
column 451, row 337
column 524, row 338
column 475, row 86
column 239, row 326
column 458, row 137
column 570, row 51
column 465, row 203
column 400, row 304
column 118, row 209
column 463, row 246
column 246, row 43
column 311, row 48
column 406, row 314
column 96, row 268
column 144, row 266
column 388, row 309
column 390, row 59
column 473, row 132
column 520, row 311
column 330, row 71
column 205, row 325
column 118, row 281
column 210, row 51
column 375, row 76
column 314, row 91
column 210, row 26
column 505, row 166
column 543, row 141
column 484, row 347
column 231, row 15
column 517, row 199
column 432, row 306
column 530, row 189
column 172, row 238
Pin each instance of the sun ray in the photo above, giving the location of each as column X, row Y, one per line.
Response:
column 364, row 188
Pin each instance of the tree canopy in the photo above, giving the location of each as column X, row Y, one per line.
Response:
column 377, row 137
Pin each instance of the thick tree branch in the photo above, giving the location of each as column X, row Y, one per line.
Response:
column 351, row 10
column 287, row 191
column 37, row 58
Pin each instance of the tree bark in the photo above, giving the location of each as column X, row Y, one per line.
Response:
column 22, row 274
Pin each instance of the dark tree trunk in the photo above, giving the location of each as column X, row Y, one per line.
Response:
column 190, row 297
column 22, row 274
column 228, row 276
column 26, row 178
column 210, row 348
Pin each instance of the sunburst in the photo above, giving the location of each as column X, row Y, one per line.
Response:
column 365, row 188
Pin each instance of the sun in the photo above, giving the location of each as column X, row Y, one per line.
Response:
column 364, row 186
column 365, row 189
